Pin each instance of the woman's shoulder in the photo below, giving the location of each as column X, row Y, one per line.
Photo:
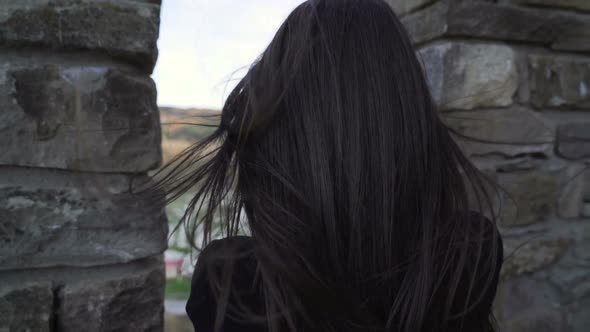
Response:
column 235, row 250
column 479, row 276
column 483, row 235
column 208, row 282
column 478, row 224
column 228, row 245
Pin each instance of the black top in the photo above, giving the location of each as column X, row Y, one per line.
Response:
column 201, row 306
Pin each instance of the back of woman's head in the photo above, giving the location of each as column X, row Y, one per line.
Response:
column 353, row 188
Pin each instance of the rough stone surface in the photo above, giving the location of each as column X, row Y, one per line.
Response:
column 580, row 313
column 492, row 20
column 132, row 302
column 522, row 293
column 426, row 25
column 402, row 7
column 85, row 117
column 572, row 278
column 581, row 252
column 466, row 76
column 570, row 202
column 62, row 275
column 80, row 247
column 569, row 4
column 546, row 319
column 123, row 29
column 533, row 195
column 52, row 218
column 573, row 140
column 522, row 131
column 530, row 255
column 523, row 162
column 26, row 307
column 559, row 81
column 528, row 305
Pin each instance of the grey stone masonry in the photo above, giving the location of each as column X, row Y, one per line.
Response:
column 470, row 75
column 503, row 125
column 403, row 7
column 127, row 30
column 573, row 140
column 80, row 246
column 129, row 302
column 512, row 78
column 77, row 115
column 56, row 218
column 26, row 307
column 559, row 81
column 500, row 21
column 582, row 5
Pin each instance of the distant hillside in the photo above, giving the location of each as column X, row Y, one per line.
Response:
column 181, row 128
column 186, row 112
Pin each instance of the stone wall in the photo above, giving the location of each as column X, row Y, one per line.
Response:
column 518, row 71
column 80, row 248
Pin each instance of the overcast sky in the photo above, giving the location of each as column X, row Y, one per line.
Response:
column 203, row 42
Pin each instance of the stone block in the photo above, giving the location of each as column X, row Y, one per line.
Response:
column 573, row 140
column 546, row 319
column 523, row 302
column 566, row 4
column 522, row 132
column 466, row 76
column 581, row 252
column 131, row 302
column 427, row 24
column 587, row 185
column 126, row 30
column 571, row 275
column 26, row 307
column 77, row 116
column 527, row 256
column 525, row 162
column 586, row 194
column 570, row 203
column 532, row 196
column 559, row 30
column 559, row 81
column 402, row 7
column 580, row 316
column 55, row 218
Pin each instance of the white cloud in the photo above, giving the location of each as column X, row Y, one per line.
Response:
column 202, row 42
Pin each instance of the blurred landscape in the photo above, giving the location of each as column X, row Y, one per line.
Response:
column 182, row 127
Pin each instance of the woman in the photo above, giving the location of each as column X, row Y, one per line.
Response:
column 362, row 211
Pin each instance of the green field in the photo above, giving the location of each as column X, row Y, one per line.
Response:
column 178, row 288
column 180, row 129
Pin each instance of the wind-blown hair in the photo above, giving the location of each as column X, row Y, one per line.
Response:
column 351, row 184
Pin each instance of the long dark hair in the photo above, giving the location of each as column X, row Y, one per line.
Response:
column 330, row 152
